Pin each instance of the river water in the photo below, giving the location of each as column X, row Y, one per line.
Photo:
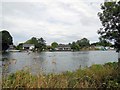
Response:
column 54, row 62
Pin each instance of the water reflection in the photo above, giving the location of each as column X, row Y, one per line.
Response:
column 54, row 62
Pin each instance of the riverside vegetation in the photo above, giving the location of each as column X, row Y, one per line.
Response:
column 95, row 76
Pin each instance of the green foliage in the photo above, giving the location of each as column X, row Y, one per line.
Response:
column 75, row 46
column 102, row 42
column 33, row 40
column 110, row 19
column 80, row 44
column 39, row 43
column 83, row 42
column 6, row 39
column 54, row 45
column 20, row 46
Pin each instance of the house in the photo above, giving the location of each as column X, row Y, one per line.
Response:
column 28, row 46
column 63, row 47
column 100, row 47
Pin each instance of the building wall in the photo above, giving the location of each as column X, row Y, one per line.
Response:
column 63, row 48
column 31, row 47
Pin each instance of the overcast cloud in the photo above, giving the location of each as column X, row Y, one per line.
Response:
column 62, row 21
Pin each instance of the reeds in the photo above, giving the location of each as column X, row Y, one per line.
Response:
column 96, row 76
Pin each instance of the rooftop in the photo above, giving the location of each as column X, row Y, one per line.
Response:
column 28, row 45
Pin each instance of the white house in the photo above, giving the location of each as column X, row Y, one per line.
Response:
column 62, row 47
column 28, row 46
column 99, row 47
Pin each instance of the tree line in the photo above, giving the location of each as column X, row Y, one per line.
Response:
column 109, row 17
column 40, row 43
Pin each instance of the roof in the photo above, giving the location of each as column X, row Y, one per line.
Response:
column 63, row 45
column 28, row 45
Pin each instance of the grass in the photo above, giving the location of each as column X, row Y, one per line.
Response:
column 96, row 76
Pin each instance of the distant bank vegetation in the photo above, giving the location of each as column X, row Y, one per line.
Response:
column 82, row 44
column 39, row 44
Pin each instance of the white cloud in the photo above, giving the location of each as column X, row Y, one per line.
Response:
column 55, row 20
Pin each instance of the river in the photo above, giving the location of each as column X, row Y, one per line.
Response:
column 55, row 62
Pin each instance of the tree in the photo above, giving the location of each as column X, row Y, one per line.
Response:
column 84, row 42
column 54, row 45
column 20, row 46
column 39, row 43
column 110, row 19
column 104, row 43
column 75, row 46
column 6, row 39
column 33, row 40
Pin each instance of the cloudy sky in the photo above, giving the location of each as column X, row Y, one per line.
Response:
column 62, row 21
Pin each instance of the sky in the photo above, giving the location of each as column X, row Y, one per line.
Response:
column 61, row 21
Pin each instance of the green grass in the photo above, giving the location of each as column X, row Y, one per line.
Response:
column 92, row 77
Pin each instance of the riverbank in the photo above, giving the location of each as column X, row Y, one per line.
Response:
column 96, row 76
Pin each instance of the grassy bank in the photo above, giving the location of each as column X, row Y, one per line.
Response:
column 93, row 77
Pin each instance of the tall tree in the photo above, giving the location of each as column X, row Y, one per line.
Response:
column 110, row 19
column 6, row 39
column 84, row 42
column 41, row 44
